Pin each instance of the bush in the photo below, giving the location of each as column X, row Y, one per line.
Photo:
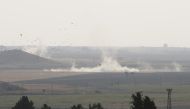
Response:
column 45, row 106
column 24, row 103
column 140, row 102
column 95, row 106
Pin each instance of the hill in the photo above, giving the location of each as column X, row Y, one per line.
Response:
column 18, row 59
column 7, row 87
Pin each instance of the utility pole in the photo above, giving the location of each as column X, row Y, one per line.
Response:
column 169, row 104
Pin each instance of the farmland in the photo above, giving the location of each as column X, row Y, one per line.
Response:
column 113, row 90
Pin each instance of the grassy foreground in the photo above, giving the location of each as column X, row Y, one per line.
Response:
column 180, row 97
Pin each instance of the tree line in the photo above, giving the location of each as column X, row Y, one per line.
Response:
column 138, row 101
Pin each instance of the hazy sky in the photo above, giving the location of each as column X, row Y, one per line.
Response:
column 95, row 22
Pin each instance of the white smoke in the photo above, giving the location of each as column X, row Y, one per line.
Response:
column 108, row 65
column 56, row 70
column 171, row 67
column 177, row 67
column 36, row 50
column 146, row 67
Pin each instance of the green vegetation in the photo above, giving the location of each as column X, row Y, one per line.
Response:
column 95, row 106
column 140, row 102
column 24, row 103
column 137, row 103
column 112, row 90
column 109, row 100
column 45, row 106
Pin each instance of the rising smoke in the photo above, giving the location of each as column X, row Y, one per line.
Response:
column 36, row 50
column 107, row 65
column 169, row 67
column 177, row 67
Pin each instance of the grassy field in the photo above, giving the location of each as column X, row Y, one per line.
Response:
column 112, row 90
column 180, row 97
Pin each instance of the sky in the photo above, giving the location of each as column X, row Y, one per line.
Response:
column 95, row 22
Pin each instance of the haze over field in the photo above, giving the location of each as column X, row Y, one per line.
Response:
column 66, row 52
column 90, row 59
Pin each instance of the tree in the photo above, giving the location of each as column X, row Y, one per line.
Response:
column 137, row 101
column 24, row 103
column 79, row 106
column 140, row 102
column 148, row 103
column 95, row 106
column 45, row 106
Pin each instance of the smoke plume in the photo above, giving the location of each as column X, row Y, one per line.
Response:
column 108, row 65
column 36, row 50
column 169, row 67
